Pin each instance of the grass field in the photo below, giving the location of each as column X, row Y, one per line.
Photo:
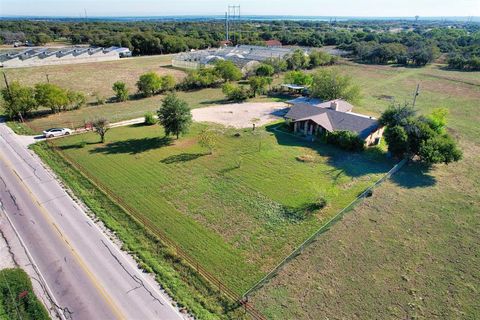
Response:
column 411, row 251
column 94, row 76
column 99, row 77
column 237, row 221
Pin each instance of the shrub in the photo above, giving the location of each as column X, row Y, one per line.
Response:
column 150, row 119
column 15, row 282
column 202, row 78
column 235, row 92
column 149, row 83
column 99, row 99
column 265, row 70
column 121, row 91
column 227, row 70
column 346, row 140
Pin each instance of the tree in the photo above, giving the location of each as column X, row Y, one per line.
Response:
column 437, row 120
column 101, row 127
column 227, row 70
column 298, row 60
column 174, row 115
column 51, row 96
column 202, row 78
column 396, row 114
column 259, row 84
column 149, row 84
column 121, row 91
column 409, row 135
column 208, row 139
column 75, row 100
column 19, row 101
column 299, row 78
column 440, row 149
column 234, row 92
column 168, row 82
column 278, row 64
column 265, row 70
column 330, row 85
column 397, row 140
column 320, row 58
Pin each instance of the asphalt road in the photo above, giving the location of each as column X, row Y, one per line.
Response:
column 86, row 274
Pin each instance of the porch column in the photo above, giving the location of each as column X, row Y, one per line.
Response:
column 305, row 127
column 295, row 124
column 310, row 130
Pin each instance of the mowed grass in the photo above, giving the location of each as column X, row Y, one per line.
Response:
column 412, row 250
column 235, row 210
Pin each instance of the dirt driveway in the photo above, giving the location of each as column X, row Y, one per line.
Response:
column 241, row 115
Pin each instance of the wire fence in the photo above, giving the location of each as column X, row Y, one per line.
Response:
column 366, row 193
column 231, row 295
column 151, row 227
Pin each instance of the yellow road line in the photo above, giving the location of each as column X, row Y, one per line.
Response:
column 81, row 263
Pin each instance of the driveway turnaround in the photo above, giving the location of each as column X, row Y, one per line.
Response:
column 85, row 274
column 241, row 115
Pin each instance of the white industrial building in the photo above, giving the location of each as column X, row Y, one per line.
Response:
column 243, row 56
column 45, row 56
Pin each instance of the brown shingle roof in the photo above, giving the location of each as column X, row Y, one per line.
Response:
column 333, row 120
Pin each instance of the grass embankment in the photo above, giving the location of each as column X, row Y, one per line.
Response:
column 178, row 279
column 412, row 250
column 17, row 298
column 238, row 211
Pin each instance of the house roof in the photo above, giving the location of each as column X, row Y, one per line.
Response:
column 333, row 120
column 273, row 43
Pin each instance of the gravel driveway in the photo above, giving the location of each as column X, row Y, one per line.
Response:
column 240, row 115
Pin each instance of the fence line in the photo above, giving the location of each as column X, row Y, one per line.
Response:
column 136, row 215
column 322, row 229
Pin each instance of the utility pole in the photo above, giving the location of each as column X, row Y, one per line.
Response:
column 10, row 94
column 417, row 92
column 46, row 75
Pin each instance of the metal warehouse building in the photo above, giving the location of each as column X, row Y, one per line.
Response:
column 45, row 56
column 242, row 56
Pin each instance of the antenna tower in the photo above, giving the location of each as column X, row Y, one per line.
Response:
column 232, row 18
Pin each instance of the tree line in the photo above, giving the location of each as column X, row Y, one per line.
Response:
column 400, row 42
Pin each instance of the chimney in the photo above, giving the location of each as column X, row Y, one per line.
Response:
column 334, row 105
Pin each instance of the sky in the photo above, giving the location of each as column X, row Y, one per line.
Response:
column 334, row 8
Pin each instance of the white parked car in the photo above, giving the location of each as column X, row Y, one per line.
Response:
column 56, row 132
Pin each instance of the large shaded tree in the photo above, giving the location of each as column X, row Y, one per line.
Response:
column 149, row 84
column 328, row 84
column 51, row 96
column 424, row 137
column 18, row 100
column 174, row 115
column 227, row 70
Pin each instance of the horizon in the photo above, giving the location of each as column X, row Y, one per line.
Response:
column 301, row 8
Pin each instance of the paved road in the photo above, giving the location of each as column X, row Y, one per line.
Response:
column 87, row 275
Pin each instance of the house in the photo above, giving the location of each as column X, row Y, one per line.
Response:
column 273, row 43
column 311, row 117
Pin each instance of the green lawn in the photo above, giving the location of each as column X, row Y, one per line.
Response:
column 237, row 221
column 412, row 250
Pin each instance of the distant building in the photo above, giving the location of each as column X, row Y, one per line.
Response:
column 45, row 56
column 311, row 117
column 273, row 43
column 243, row 56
